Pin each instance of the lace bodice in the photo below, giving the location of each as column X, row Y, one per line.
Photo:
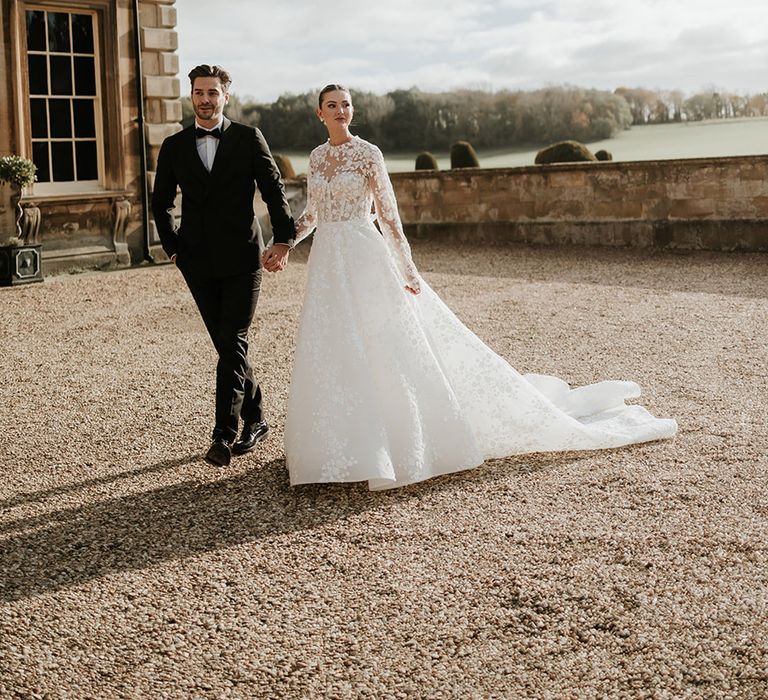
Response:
column 342, row 184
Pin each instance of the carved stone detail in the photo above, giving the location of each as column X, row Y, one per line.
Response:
column 122, row 212
column 30, row 224
column 10, row 212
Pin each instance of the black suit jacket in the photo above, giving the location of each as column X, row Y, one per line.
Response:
column 216, row 237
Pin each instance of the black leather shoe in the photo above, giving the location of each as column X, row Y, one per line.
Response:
column 219, row 453
column 249, row 437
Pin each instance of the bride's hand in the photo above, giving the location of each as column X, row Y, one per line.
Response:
column 275, row 257
column 413, row 290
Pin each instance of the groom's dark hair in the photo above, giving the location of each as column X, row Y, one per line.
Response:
column 206, row 71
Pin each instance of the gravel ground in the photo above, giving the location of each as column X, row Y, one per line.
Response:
column 130, row 568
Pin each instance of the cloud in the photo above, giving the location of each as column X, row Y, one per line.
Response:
column 276, row 48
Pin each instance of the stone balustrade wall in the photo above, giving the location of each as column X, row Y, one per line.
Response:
column 708, row 204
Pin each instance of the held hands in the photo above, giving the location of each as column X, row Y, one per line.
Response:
column 275, row 257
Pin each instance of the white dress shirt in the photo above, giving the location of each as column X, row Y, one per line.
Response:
column 206, row 146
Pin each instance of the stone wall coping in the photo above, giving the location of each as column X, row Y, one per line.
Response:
column 583, row 166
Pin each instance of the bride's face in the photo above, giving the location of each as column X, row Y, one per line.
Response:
column 337, row 108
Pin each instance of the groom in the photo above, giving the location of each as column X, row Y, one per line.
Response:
column 215, row 163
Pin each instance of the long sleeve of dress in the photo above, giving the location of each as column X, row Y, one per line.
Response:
column 389, row 219
column 306, row 223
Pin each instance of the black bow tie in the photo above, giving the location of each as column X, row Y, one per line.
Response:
column 202, row 133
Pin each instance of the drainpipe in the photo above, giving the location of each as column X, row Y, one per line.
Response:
column 142, row 133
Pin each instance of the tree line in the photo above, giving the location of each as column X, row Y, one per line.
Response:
column 666, row 106
column 414, row 120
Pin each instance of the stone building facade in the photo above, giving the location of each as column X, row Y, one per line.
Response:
column 81, row 78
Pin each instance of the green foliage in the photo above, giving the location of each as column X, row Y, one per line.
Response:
column 285, row 166
column 413, row 120
column 234, row 109
column 17, row 170
column 426, row 161
column 602, row 154
column 463, row 155
column 371, row 114
column 410, row 116
column 558, row 113
column 564, row 152
column 290, row 123
column 187, row 113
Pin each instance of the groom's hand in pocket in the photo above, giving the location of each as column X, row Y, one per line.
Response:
column 275, row 257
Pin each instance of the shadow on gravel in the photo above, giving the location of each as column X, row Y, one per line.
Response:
column 35, row 496
column 75, row 545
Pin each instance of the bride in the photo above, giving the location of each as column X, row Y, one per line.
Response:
column 388, row 385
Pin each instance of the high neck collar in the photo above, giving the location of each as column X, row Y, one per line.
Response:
column 341, row 145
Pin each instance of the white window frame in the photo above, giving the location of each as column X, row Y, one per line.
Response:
column 70, row 186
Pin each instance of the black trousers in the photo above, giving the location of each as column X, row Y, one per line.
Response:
column 227, row 306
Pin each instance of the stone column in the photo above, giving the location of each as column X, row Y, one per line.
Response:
column 162, row 106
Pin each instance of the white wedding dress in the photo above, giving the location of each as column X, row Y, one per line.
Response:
column 392, row 388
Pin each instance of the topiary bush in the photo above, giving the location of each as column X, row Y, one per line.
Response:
column 602, row 154
column 426, row 161
column 564, row 152
column 285, row 166
column 463, row 155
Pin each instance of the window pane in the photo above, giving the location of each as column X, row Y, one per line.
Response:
column 85, row 76
column 35, row 30
column 40, row 159
column 85, row 124
column 61, row 118
column 38, row 75
column 58, row 31
column 82, row 33
column 86, row 160
column 39, row 119
column 63, row 165
column 61, row 75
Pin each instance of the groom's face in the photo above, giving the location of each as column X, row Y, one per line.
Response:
column 208, row 99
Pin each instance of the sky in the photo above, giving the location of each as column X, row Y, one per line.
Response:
column 273, row 48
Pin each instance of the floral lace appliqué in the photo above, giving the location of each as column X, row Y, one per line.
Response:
column 344, row 182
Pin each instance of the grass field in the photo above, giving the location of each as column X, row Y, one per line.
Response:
column 736, row 137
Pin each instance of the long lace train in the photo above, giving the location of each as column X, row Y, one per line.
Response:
column 394, row 389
